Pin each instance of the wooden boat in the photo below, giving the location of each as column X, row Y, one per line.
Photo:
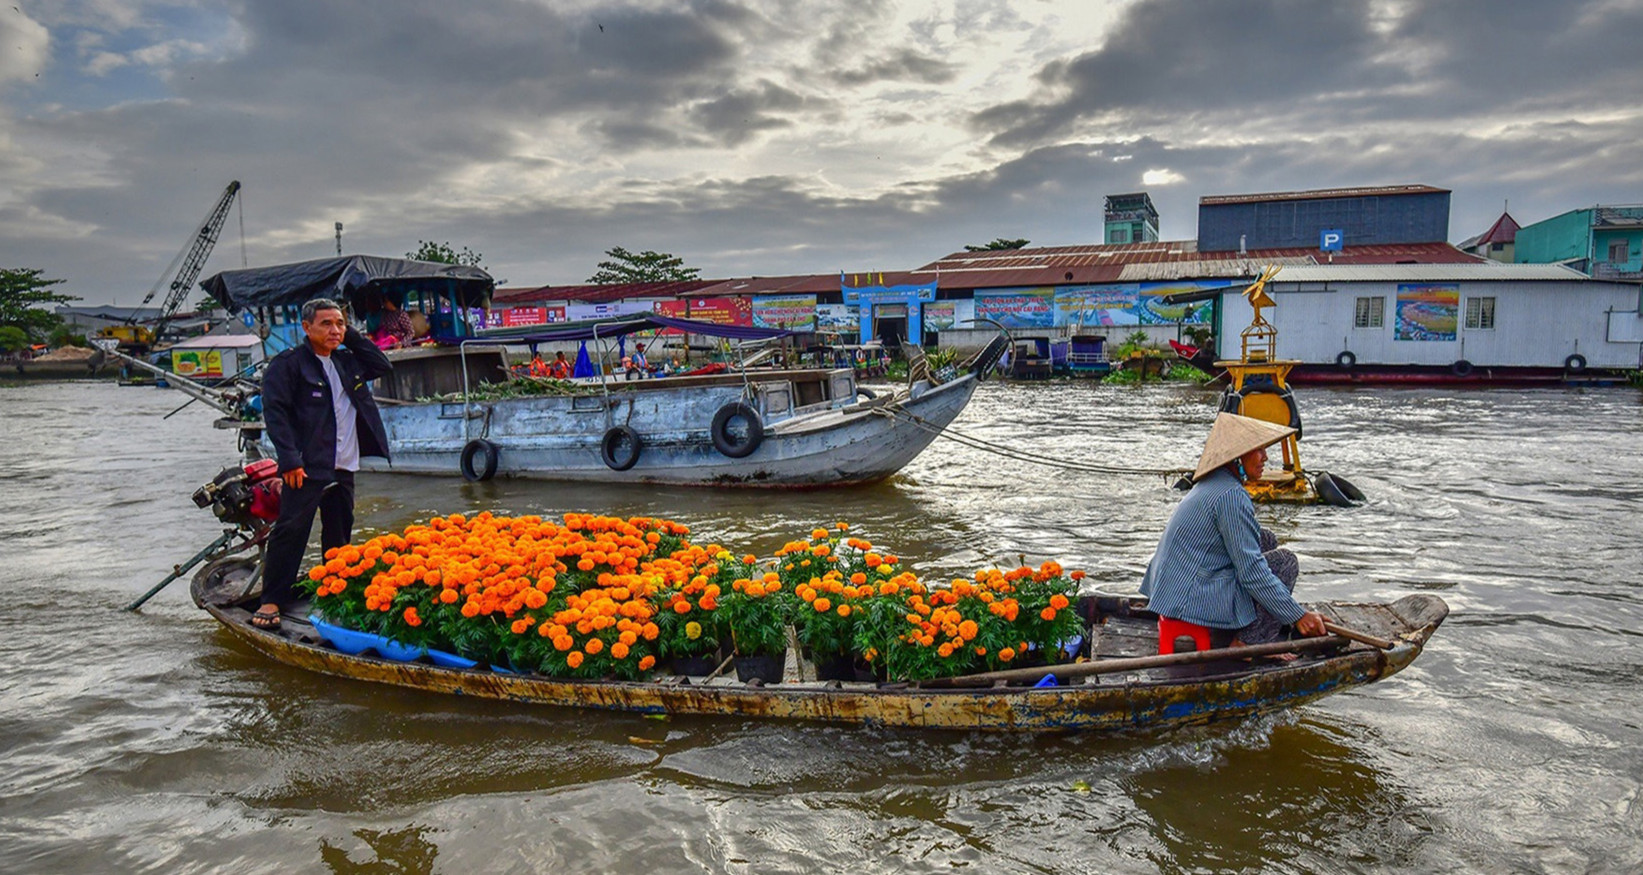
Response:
column 1118, row 687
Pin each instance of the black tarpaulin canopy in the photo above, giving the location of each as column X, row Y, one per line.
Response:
column 347, row 277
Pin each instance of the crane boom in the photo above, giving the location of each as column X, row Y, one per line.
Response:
column 191, row 258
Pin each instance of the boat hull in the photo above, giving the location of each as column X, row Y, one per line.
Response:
column 559, row 438
column 1154, row 698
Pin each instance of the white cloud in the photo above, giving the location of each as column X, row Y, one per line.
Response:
column 25, row 46
column 1161, row 176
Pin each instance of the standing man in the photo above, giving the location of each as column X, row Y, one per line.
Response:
column 321, row 418
column 1218, row 577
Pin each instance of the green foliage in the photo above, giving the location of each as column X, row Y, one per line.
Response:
column 22, row 292
column 13, row 339
column 641, row 267
column 521, row 387
column 207, row 304
column 999, row 243
column 754, row 608
column 444, row 254
column 63, row 335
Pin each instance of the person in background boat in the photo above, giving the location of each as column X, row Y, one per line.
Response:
column 637, row 367
column 321, row 418
column 560, row 370
column 539, row 368
column 395, row 329
column 1217, row 576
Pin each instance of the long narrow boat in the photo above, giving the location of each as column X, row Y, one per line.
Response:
column 1140, row 691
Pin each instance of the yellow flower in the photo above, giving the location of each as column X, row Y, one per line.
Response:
column 693, row 630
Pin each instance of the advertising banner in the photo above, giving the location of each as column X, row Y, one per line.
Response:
column 1018, row 308
column 838, row 319
column 939, row 315
column 1151, row 309
column 1427, row 311
column 197, row 363
column 723, row 311
column 524, row 316
column 1096, row 305
column 575, row 312
column 790, row 312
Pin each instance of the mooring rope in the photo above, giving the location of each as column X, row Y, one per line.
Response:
column 1019, row 455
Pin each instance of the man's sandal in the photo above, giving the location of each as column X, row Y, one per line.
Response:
column 266, row 619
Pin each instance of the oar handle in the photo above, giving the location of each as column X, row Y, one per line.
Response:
column 1360, row 637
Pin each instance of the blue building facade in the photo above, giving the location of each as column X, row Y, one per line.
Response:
column 1367, row 216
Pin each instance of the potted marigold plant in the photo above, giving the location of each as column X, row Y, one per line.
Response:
column 754, row 612
column 690, row 625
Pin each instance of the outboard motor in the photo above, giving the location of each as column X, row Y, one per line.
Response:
column 244, row 495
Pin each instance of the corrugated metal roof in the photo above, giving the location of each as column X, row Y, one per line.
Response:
column 1319, row 193
column 1236, row 268
column 600, row 294
column 1420, row 273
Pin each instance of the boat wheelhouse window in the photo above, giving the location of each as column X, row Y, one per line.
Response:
column 1370, row 312
column 1480, row 313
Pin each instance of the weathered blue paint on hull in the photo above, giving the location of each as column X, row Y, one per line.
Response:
column 559, row 438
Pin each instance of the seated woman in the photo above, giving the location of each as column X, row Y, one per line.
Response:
column 394, row 329
column 1217, row 576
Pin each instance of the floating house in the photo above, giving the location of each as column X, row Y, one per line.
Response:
column 1444, row 323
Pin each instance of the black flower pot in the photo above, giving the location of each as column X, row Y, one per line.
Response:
column 837, row 667
column 766, row 669
column 694, row 666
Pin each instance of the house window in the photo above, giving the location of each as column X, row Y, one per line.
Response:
column 1617, row 251
column 1480, row 313
column 1369, row 312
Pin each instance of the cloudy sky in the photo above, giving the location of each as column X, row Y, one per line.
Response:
column 780, row 137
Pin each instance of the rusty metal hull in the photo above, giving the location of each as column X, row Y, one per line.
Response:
column 1146, row 699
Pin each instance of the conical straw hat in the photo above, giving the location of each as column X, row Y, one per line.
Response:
column 1234, row 435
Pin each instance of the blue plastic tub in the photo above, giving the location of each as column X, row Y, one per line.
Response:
column 450, row 660
column 351, row 642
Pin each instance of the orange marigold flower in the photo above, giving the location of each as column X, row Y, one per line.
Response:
column 1047, row 614
column 317, row 572
column 1006, row 654
column 449, row 597
column 1058, row 601
column 574, row 659
column 647, row 663
column 1077, row 575
column 844, row 610
column 823, row 606
column 593, row 646
column 617, row 650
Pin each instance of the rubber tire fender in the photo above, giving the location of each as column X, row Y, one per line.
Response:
column 728, row 444
column 1574, row 364
column 1346, row 361
column 478, row 447
column 1461, row 368
column 1232, row 402
column 611, row 443
column 864, row 392
column 1330, row 492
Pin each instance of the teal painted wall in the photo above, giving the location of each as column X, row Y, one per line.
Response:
column 1559, row 238
column 1634, row 248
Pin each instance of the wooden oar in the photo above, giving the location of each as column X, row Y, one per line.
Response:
column 1360, row 637
column 1137, row 663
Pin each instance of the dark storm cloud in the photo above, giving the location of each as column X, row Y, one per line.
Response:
column 905, row 65
column 738, row 115
column 1248, row 60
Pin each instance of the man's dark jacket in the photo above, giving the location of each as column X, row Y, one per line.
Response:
column 296, row 404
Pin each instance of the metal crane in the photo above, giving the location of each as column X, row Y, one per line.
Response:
column 191, row 259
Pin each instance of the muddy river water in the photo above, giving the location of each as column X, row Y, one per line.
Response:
column 154, row 743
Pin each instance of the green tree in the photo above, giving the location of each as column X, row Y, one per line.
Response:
column 444, row 254
column 642, row 267
column 13, row 339
column 22, row 293
column 998, row 243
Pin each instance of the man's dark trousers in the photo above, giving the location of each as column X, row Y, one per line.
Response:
column 334, row 499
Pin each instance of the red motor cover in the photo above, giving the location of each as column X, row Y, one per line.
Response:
column 265, row 488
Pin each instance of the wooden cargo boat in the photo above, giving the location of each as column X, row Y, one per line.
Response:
column 1120, row 686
